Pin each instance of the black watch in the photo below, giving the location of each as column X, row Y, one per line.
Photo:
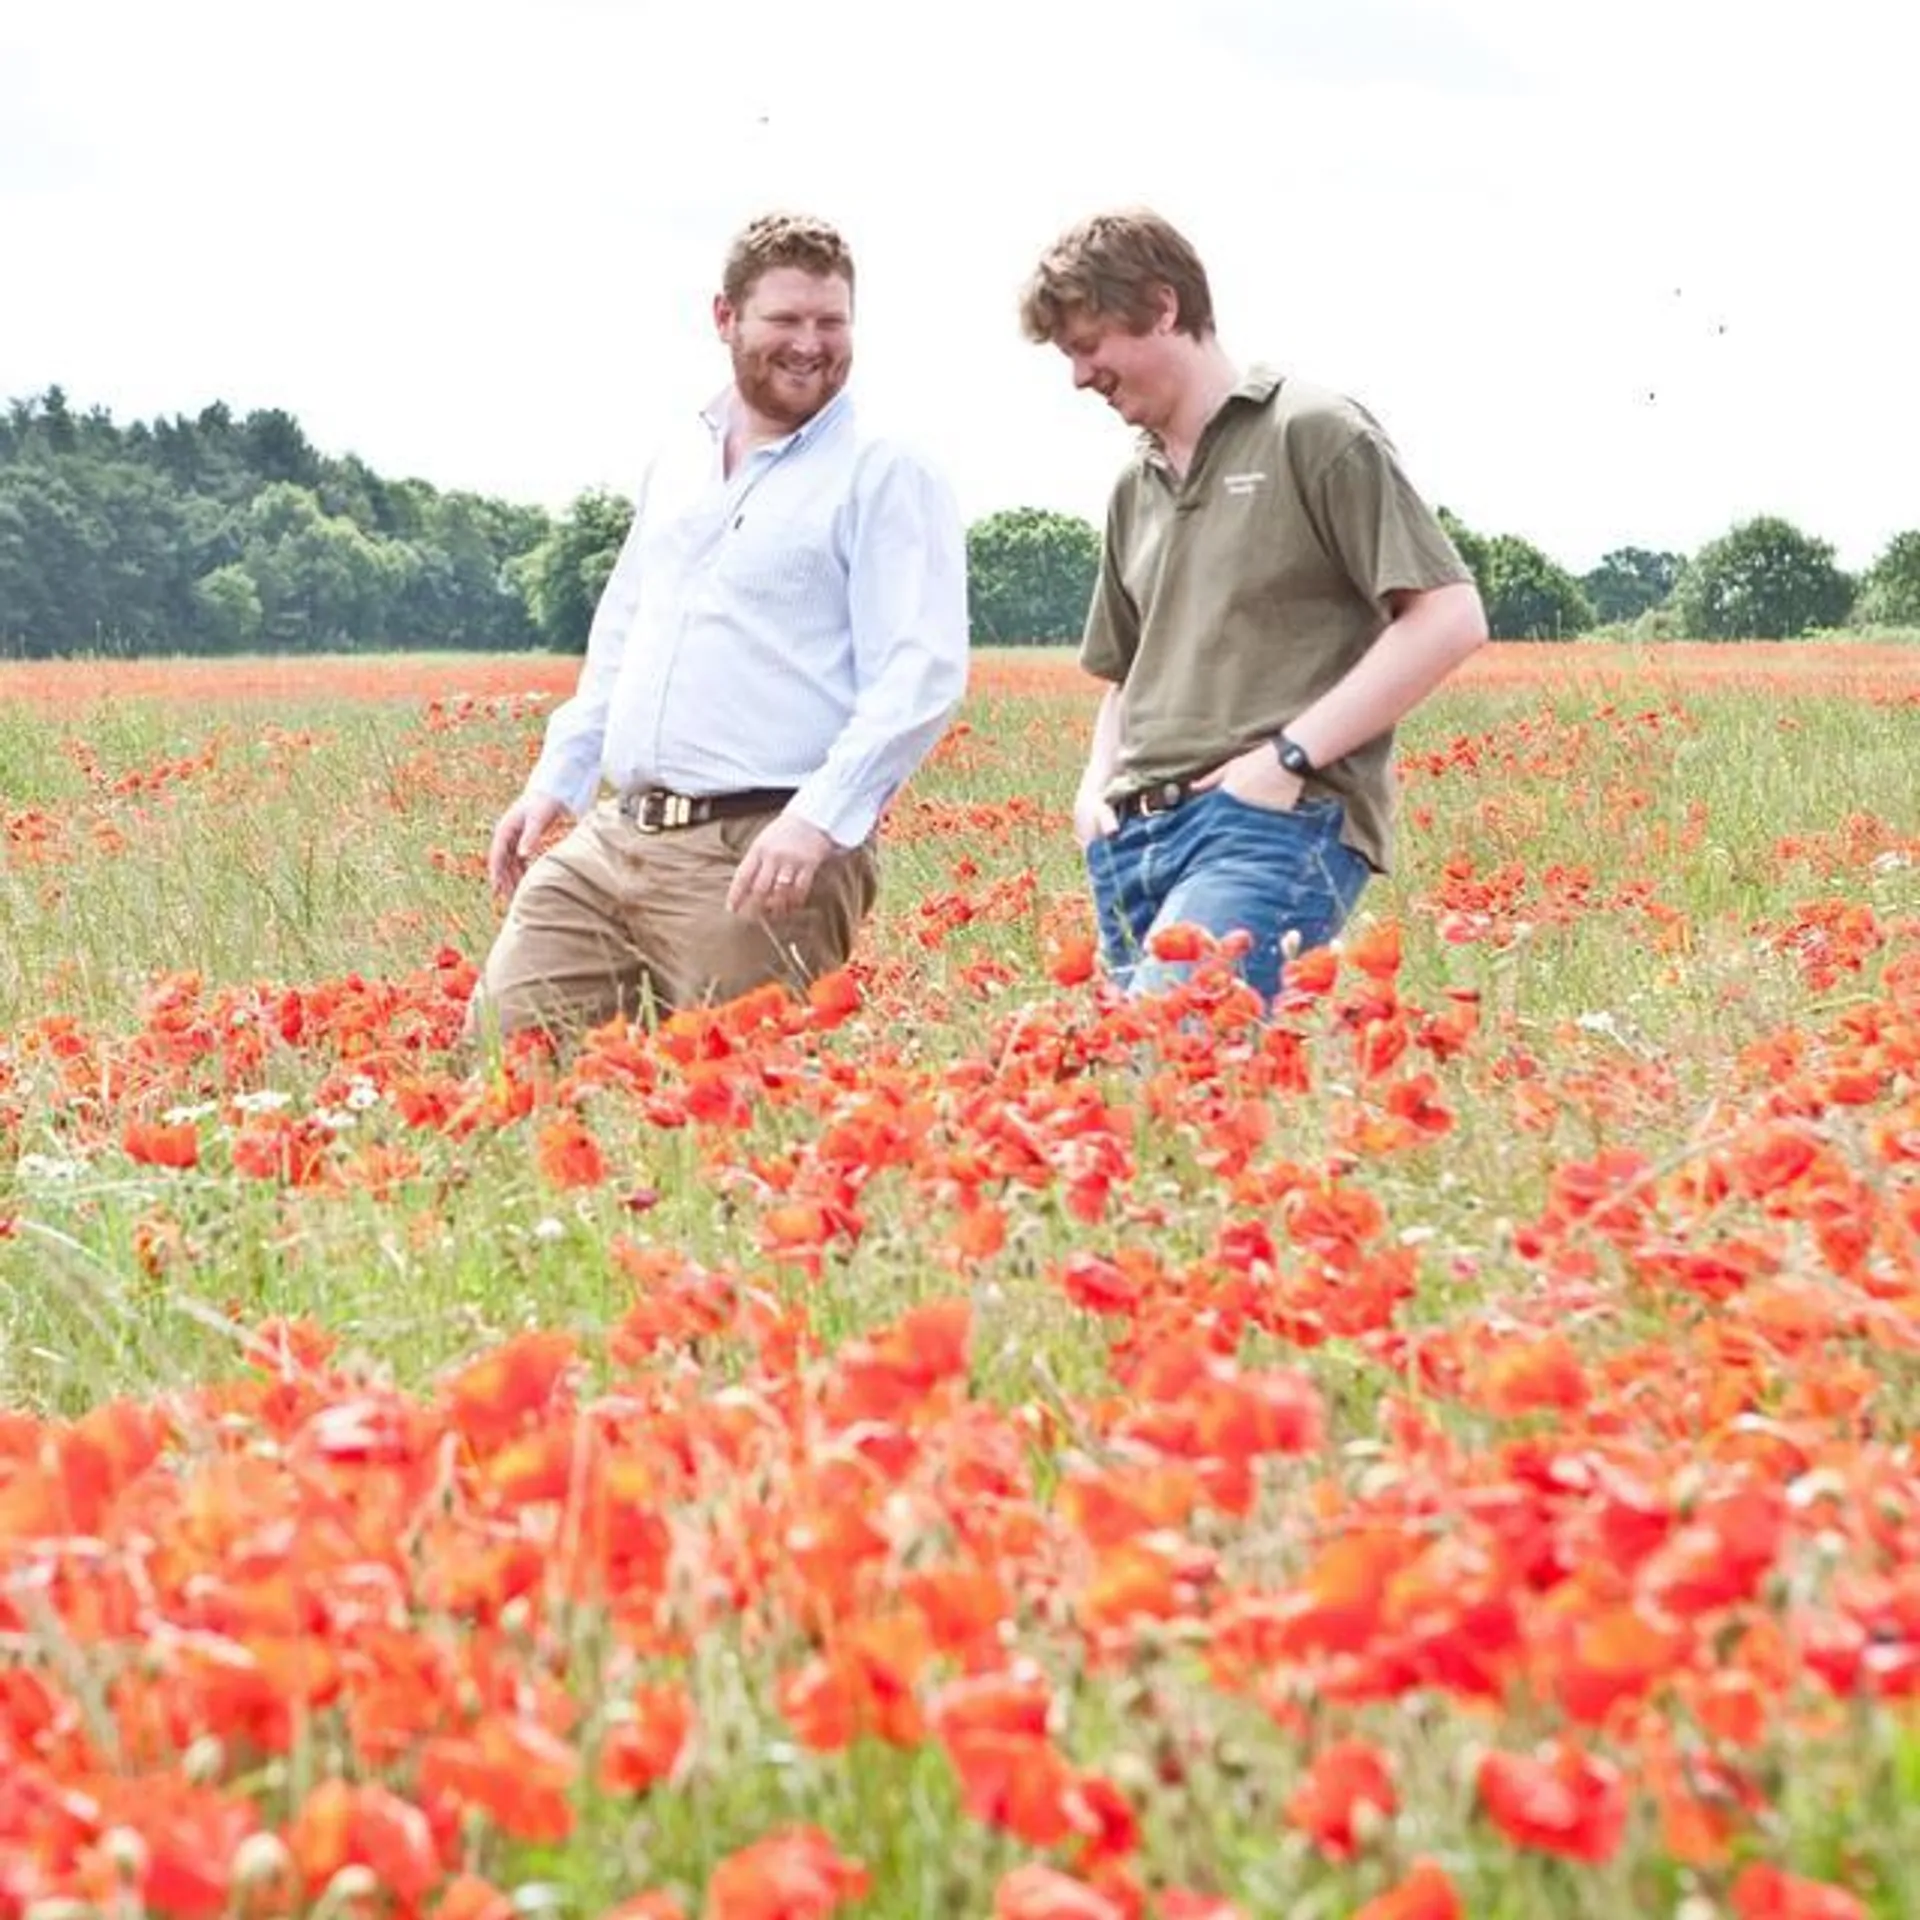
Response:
column 1292, row 755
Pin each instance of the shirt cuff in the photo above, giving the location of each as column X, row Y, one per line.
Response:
column 847, row 819
column 576, row 795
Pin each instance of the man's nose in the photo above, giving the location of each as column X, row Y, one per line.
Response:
column 1082, row 371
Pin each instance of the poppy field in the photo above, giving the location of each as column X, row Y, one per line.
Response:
column 966, row 1444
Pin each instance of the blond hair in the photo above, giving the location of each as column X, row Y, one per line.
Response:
column 1115, row 265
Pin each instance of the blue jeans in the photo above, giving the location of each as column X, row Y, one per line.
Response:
column 1217, row 863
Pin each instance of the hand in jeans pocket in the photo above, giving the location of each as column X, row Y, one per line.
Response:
column 1256, row 779
column 1093, row 819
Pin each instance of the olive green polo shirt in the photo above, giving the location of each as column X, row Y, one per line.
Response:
column 1230, row 600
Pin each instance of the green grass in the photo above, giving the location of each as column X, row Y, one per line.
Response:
column 1648, row 860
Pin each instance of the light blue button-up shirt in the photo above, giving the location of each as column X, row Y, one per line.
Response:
column 800, row 622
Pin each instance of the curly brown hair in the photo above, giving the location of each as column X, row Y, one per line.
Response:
column 783, row 240
column 1114, row 265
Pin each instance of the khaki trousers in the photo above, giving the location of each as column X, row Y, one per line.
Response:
column 614, row 922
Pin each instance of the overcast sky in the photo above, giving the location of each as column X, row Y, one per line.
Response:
column 1608, row 275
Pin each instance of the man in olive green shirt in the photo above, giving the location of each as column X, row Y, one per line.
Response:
column 1273, row 598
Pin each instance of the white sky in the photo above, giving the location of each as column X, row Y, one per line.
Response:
column 1609, row 275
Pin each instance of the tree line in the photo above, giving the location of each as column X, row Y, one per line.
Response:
column 231, row 533
column 225, row 533
column 1030, row 572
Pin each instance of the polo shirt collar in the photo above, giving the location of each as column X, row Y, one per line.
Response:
column 1257, row 386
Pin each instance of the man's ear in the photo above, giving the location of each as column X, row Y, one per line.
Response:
column 1168, row 319
column 723, row 316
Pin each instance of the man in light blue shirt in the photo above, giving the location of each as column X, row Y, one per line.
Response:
column 782, row 640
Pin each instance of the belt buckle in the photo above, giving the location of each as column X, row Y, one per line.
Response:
column 672, row 810
column 1163, row 798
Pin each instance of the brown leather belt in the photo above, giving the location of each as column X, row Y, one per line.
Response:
column 661, row 810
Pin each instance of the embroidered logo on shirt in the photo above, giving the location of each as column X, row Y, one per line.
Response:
column 1243, row 483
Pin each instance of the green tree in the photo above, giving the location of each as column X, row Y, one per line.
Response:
column 1526, row 595
column 1631, row 581
column 56, row 421
column 93, row 554
column 38, row 535
column 320, row 578
column 1030, row 576
column 1763, row 580
column 474, row 541
column 562, row 578
column 1472, row 548
column 275, row 447
column 144, row 547
column 1890, row 589
column 230, row 611
column 207, row 532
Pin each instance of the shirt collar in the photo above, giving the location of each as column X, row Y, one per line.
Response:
column 1257, row 386
column 718, row 415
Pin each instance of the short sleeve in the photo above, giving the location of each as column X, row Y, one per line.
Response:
column 1112, row 635
column 1388, row 539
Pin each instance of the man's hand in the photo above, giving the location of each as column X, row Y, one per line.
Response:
column 777, row 872
column 1258, row 778
column 1093, row 818
column 517, row 839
